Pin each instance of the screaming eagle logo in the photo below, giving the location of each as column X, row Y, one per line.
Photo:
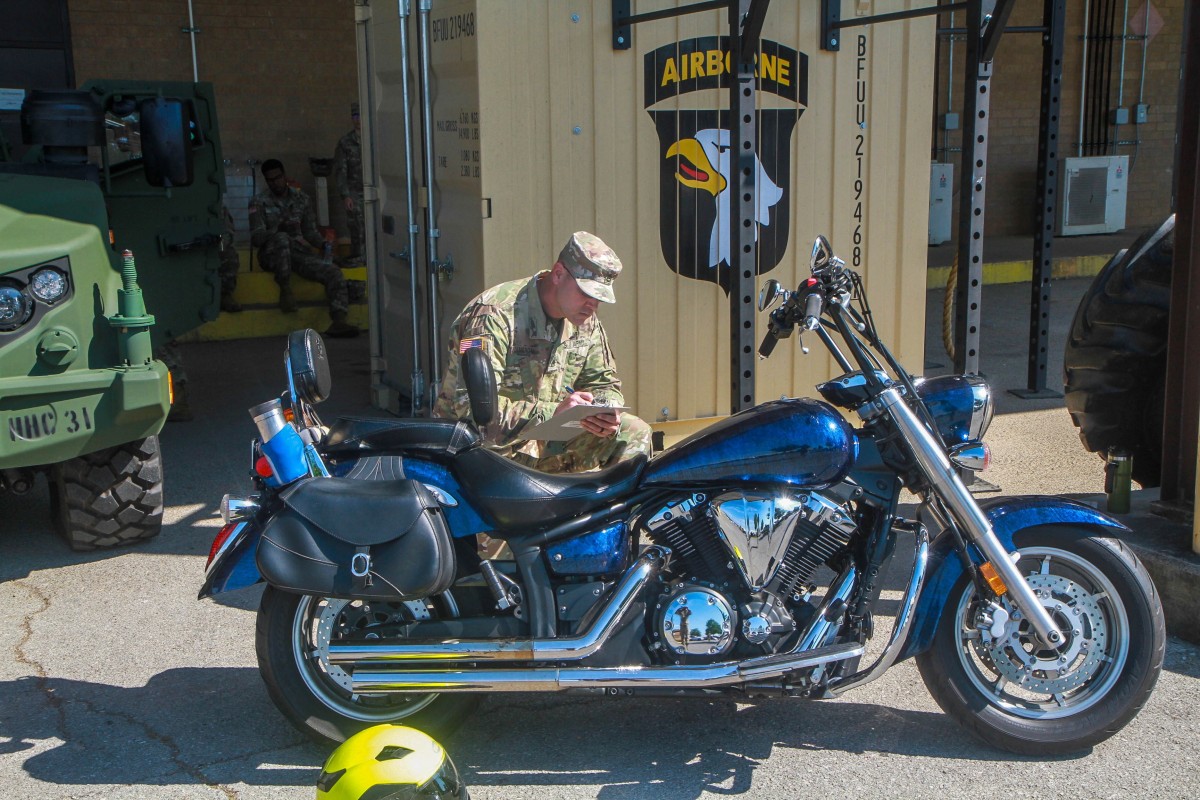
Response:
column 695, row 180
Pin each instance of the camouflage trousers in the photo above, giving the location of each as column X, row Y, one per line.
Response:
column 227, row 271
column 358, row 230
column 586, row 451
column 284, row 256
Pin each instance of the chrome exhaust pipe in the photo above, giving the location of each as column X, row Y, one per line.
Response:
column 566, row 649
column 556, row 679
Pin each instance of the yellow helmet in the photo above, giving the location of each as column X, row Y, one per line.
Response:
column 390, row 762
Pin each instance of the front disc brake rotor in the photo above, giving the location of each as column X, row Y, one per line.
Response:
column 1023, row 660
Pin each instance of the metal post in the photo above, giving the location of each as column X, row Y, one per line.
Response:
column 1181, row 403
column 742, row 250
column 1043, row 234
column 417, row 388
column 431, row 230
column 976, row 112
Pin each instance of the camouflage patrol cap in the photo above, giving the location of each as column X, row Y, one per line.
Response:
column 593, row 264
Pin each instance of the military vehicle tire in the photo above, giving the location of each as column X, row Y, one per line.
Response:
column 109, row 498
column 1114, row 365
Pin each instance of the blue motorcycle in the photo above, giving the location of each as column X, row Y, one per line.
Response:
column 745, row 560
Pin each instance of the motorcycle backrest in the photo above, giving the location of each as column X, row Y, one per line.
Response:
column 481, row 385
column 308, row 366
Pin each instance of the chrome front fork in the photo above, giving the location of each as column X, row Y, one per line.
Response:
column 950, row 488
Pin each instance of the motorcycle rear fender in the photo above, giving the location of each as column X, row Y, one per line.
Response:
column 1008, row 515
column 234, row 567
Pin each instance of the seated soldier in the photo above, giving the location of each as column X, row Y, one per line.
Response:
column 549, row 352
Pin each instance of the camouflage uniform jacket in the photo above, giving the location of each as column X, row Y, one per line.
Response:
column 268, row 212
column 534, row 358
column 347, row 165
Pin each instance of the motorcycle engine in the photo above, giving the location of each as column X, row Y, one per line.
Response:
column 742, row 562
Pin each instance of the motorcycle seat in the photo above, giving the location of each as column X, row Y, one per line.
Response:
column 437, row 439
column 521, row 500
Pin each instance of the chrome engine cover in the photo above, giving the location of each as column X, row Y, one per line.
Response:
column 693, row 620
column 757, row 529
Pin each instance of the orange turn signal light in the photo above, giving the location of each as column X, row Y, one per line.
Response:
column 170, row 388
column 993, row 578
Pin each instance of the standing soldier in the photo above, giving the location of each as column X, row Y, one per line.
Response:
column 348, row 177
column 228, row 270
column 284, row 230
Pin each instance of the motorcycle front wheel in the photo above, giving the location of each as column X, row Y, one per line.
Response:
column 292, row 633
column 988, row 671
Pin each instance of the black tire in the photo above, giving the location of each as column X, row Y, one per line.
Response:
column 1114, row 365
column 1095, row 698
column 109, row 498
column 309, row 693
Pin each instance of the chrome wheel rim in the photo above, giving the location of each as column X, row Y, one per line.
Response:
column 1019, row 676
column 321, row 620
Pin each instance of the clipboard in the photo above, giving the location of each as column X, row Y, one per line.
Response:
column 566, row 425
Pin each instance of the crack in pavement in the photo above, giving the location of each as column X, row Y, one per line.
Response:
column 60, row 705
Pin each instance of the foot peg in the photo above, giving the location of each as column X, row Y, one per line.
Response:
column 505, row 590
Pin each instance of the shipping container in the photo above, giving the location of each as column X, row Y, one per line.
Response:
column 540, row 127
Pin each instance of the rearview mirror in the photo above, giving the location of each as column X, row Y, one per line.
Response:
column 822, row 254
column 165, row 125
column 308, row 366
column 481, row 385
column 769, row 294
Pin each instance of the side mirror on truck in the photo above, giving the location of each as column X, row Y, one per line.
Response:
column 166, row 128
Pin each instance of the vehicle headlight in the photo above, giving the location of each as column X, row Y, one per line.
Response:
column 961, row 406
column 15, row 308
column 48, row 285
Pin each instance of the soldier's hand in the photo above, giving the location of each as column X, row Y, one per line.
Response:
column 574, row 399
column 605, row 424
column 348, row 202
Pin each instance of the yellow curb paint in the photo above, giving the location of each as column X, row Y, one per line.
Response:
column 1022, row 271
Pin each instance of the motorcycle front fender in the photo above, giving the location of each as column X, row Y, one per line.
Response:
column 1008, row 515
column 234, row 566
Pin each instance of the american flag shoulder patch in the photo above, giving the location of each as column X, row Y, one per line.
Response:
column 472, row 343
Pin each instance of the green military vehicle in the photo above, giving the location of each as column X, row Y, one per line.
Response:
column 110, row 224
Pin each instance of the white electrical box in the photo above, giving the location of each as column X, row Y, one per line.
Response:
column 1091, row 194
column 941, row 202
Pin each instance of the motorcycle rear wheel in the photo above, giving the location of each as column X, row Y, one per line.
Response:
column 1020, row 697
column 314, row 695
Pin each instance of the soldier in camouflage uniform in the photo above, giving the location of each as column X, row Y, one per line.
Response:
column 284, row 229
column 543, row 339
column 348, row 178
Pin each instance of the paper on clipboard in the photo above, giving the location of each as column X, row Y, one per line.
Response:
column 567, row 424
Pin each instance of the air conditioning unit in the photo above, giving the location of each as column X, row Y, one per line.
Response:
column 1091, row 194
column 941, row 202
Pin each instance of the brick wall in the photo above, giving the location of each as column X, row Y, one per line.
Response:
column 285, row 71
column 1016, row 106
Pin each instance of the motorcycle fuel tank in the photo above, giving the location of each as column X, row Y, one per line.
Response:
column 803, row 443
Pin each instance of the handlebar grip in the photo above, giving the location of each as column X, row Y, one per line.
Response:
column 768, row 344
column 812, row 311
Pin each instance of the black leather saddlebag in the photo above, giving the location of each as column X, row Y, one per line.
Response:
column 374, row 540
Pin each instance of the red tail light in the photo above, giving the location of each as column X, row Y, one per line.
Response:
column 224, row 535
column 263, row 467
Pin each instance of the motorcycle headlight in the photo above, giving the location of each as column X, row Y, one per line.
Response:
column 961, row 406
column 15, row 308
column 48, row 285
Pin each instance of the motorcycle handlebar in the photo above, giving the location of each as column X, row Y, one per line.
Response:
column 768, row 344
column 812, row 311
